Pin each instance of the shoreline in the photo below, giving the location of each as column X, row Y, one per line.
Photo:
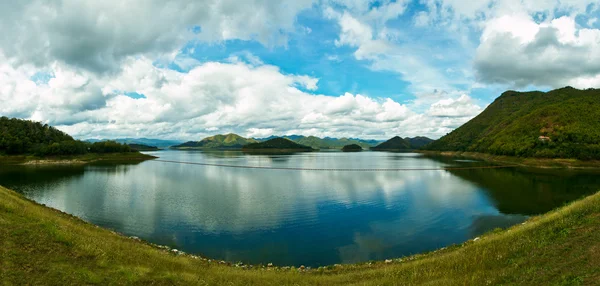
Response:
column 74, row 160
column 542, row 163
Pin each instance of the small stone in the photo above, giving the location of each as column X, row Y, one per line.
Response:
column 301, row 267
column 476, row 239
column 270, row 264
column 134, row 237
column 174, row 250
column 388, row 261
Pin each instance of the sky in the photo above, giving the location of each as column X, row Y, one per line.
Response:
column 186, row 69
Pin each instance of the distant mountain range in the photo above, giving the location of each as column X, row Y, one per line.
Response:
column 562, row 123
column 233, row 141
column 228, row 141
column 141, row 141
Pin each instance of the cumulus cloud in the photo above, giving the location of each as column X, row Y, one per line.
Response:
column 516, row 50
column 99, row 35
column 460, row 107
column 253, row 100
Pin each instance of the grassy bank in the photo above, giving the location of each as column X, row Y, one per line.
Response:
column 520, row 161
column 75, row 159
column 39, row 245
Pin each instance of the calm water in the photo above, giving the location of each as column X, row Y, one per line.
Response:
column 299, row 217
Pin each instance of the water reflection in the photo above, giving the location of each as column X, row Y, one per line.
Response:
column 298, row 217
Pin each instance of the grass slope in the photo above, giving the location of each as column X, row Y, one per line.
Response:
column 513, row 123
column 39, row 245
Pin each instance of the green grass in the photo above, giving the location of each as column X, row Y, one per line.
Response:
column 76, row 159
column 39, row 245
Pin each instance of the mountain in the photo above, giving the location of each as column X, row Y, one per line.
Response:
column 327, row 142
column 281, row 144
column 395, row 144
column 562, row 123
column 142, row 141
column 140, row 147
column 228, row 141
column 418, row 142
column 352, row 148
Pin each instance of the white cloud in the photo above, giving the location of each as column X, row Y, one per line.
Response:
column 99, row 35
column 517, row 51
column 253, row 100
column 460, row 107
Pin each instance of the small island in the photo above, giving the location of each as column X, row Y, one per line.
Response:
column 352, row 148
column 142, row 147
column 277, row 145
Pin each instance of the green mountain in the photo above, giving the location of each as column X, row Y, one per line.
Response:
column 395, row 144
column 277, row 144
column 418, row 142
column 228, row 141
column 352, row 148
column 327, row 142
column 563, row 123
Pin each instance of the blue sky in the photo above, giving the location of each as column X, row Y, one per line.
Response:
column 358, row 68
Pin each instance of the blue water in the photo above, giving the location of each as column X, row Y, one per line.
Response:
column 299, row 217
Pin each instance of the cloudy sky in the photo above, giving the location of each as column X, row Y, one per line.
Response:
column 184, row 69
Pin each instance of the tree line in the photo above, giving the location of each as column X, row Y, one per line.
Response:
column 24, row 137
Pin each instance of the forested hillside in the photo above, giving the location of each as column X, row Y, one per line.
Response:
column 19, row 137
column 228, row 141
column 563, row 123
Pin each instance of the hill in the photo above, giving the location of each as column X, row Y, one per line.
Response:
column 29, row 138
column 418, row 142
column 45, row 246
column 228, row 141
column 277, row 144
column 395, row 144
column 352, row 148
column 562, row 123
column 140, row 147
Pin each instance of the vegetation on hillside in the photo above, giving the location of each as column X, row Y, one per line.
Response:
column 352, row 148
column 395, row 144
column 418, row 142
column 277, row 144
column 562, row 123
column 228, row 141
column 24, row 137
column 39, row 245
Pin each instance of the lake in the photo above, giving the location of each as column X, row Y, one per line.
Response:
column 298, row 216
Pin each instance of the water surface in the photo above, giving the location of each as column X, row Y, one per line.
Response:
column 299, row 217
